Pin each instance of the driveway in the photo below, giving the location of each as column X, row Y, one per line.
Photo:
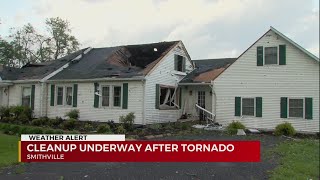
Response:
column 65, row 171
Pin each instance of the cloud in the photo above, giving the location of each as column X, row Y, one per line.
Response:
column 208, row 28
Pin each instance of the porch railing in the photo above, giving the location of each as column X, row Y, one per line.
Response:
column 205, row 114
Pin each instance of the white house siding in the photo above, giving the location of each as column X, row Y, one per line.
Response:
column 86, row 101
column 298, row 78
column 15, row 96
column 163, row 74
column 189, row 101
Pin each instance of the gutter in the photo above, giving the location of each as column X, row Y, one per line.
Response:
column 98, row 79
column 196, row 84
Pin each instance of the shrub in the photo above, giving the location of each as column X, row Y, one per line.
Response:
column 35, row 130
column 16, row 110
column 121, row 130
column 69, row 124
column 155, row 127
column 285, row 129
column 42, row 121
column 54, row 122
column 49, row 131
column 112, row 125
column 22, row 119
column 58, row 131
column 88, row 127
column 127, row 121
column 8, row 120
column 4, row 112
column 104, row 128
column 233, row 127
column 73, row 114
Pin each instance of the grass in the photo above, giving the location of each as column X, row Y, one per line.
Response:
column 299, row 160
column 8, row 150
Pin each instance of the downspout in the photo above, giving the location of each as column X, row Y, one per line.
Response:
column 214, row 100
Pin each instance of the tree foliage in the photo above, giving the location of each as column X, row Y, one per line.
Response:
column 26, row 45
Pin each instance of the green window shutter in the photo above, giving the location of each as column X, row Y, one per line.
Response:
column 175, row 62
column 183, row 64
column 284, row 107
column 125, row 96
column 180, row 98
column 258, row 106
column 237, row 109
column 33, row 88
column 308, row 108
column 52, row 95
column 157, row 103
column 96, row 97
column 260, row 56
column 75, row 95
column 282, row 55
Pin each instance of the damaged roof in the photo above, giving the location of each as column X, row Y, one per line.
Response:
column 117, row 62
column 36, row 71
column 207, row 70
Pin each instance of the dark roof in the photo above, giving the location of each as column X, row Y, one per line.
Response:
column 207, row 70
column 119, row 62
column 37, row 71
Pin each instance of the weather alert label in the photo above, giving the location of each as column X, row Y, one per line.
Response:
column 114, row 148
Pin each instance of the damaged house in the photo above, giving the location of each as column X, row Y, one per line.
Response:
column 103, row 83
column 274, row 81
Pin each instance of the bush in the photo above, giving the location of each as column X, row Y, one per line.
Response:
column 49, row 131
column 22, row 119
column 155, row 127
column 69, row 124
column 40, row 122
column 54, row 122
column 285, row 129
column 127, row 121
column 73, row 114
column 8, row 120
column 234, row 126
column 121, row 130
column 88, row 127
column 112, row 125
column 104, row 129
column 58, row 131
column 4, row 112
column 35, row 130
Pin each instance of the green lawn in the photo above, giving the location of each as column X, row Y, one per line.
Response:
column 8, row 149
column 299, row 160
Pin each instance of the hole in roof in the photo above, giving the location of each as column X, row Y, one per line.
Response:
column 155, row 49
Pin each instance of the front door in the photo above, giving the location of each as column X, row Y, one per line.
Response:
column 202, row 103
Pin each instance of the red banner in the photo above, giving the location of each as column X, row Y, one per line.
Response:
column 139, row 151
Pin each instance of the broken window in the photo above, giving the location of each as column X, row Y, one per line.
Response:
column 168, row 98
column 26, row 96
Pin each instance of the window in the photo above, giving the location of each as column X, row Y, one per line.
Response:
column 59, row 95
column 271, row 55
column 248, row 106
column 179, row 63
column 105, row 96
column 26, row 96
column 69, row 96
column 168, row 98
column 117, row 96
column 296, row 108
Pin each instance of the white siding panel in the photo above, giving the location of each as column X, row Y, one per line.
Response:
column 298, row 78
column 15, row 96
column 163, row 74
column 86, row 101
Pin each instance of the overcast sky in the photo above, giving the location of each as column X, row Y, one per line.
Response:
column 208, row 28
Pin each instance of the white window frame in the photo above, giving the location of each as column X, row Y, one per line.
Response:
column 65, row 99
column 120, row 105
column 254, row 106
column 264, row 51
column 303, row 107
column 101, row 88
column 176, row 100
column 111, row 95
column 56, row 97
column 22, row 94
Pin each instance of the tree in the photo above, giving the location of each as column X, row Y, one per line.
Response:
column 61, row 40
column 26, row 45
